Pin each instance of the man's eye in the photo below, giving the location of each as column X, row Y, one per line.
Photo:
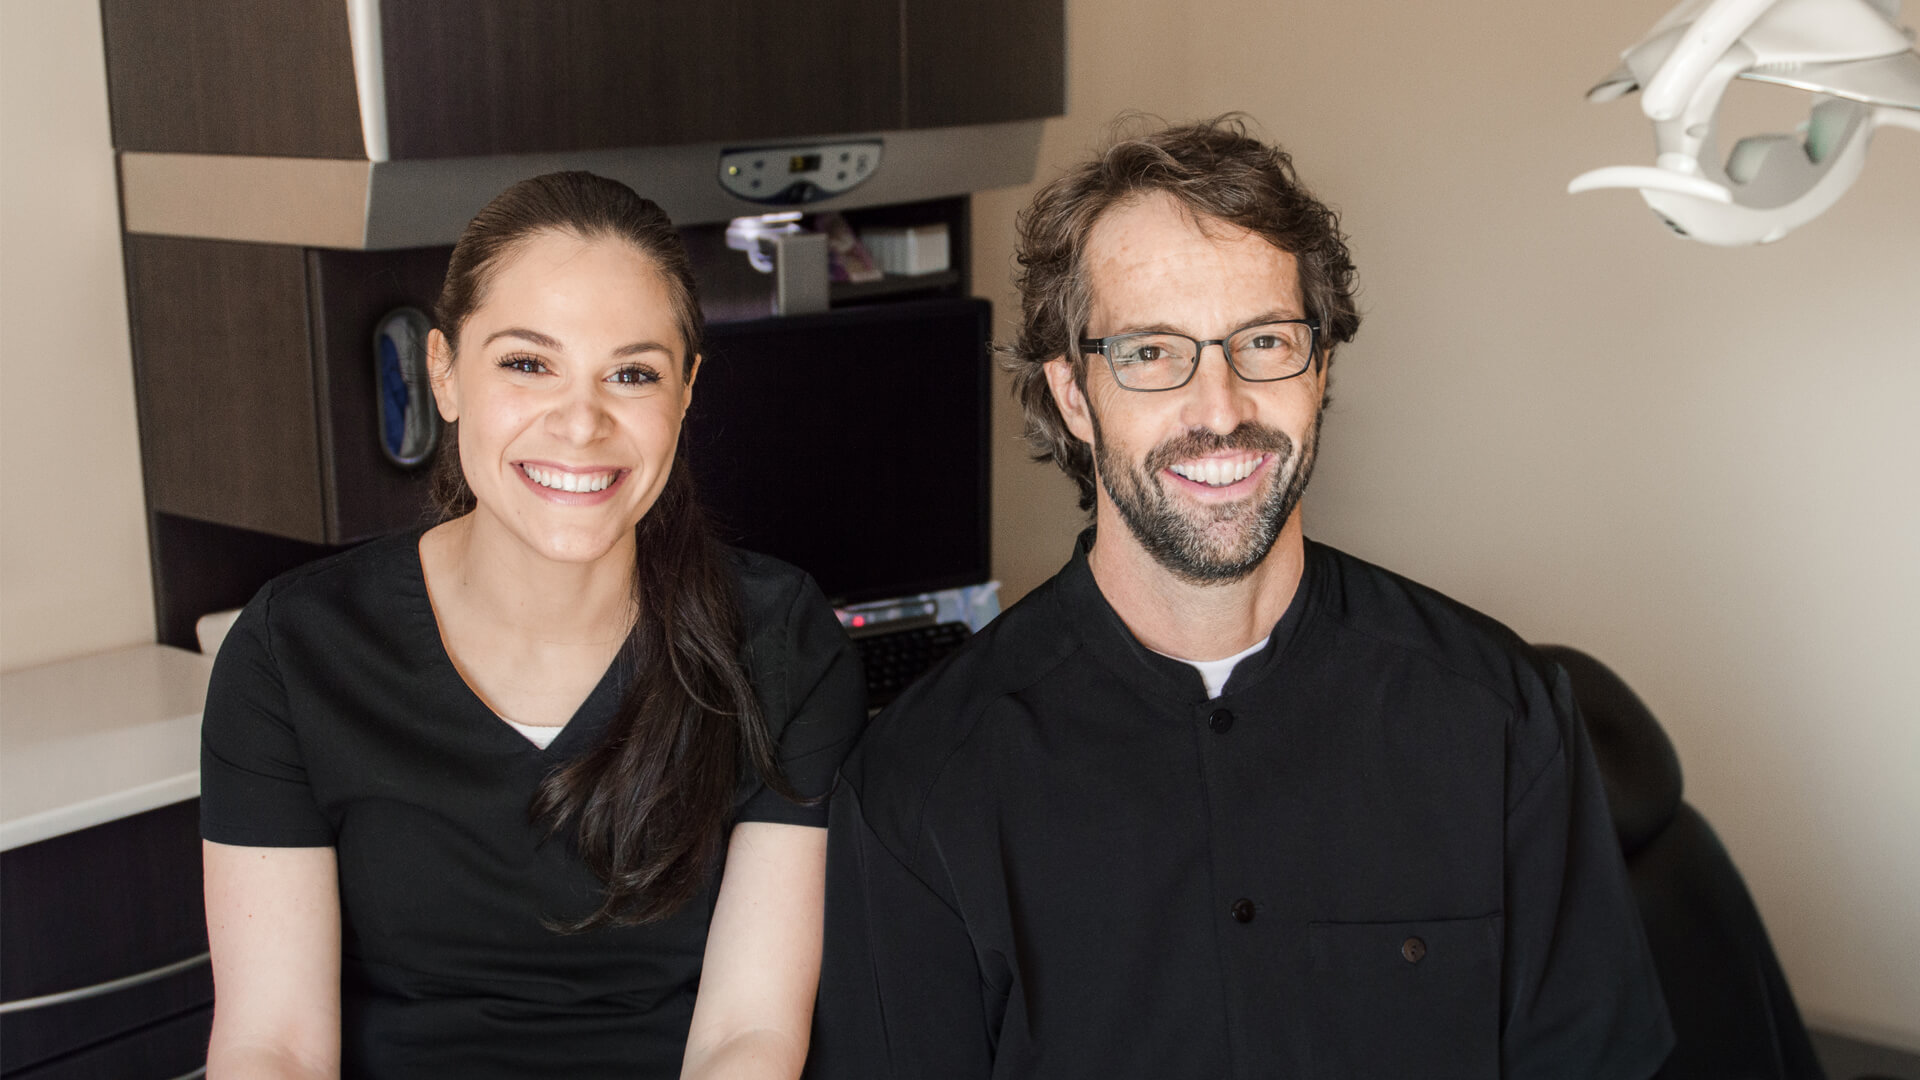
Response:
column 1268, row 341
column 634, row 376
column 1142, row 354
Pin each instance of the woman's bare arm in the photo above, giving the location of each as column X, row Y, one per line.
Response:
column 762, row 965
column 273, row 921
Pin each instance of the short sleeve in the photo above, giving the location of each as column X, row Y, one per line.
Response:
column 253, row 777
column 814, row 695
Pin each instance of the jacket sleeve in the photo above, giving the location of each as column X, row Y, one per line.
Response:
column 1582, row 997
column 901, row 993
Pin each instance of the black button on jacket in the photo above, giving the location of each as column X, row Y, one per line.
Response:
column 1053, row 859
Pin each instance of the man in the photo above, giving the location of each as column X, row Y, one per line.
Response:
column 1217, row 801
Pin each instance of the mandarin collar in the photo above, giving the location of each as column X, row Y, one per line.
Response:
column 1084, row 609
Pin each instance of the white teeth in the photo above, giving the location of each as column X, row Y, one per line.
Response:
column 1216, row 473
column 566, row 481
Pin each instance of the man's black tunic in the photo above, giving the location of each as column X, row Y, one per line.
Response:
column 1383, row 851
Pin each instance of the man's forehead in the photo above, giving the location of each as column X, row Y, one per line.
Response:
column 1152, row 257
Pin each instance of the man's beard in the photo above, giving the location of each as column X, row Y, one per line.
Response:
column 1202, row 544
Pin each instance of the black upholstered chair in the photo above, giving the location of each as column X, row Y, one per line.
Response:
column 1732, row 1012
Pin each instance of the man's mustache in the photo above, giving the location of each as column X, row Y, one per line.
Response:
column 1251, row 436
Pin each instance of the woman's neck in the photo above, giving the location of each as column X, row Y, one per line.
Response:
column 485, row 574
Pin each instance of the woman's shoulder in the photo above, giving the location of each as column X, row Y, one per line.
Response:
column 789, row 633
column 773, row 591
column 371, row 577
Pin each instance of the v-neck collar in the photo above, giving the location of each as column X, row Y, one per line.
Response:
column 580, row 730
column 1084, row 608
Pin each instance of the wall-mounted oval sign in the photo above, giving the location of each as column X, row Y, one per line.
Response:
column 409, row 422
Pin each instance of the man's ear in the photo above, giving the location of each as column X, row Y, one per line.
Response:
column 1070, row 397
column 440, row 376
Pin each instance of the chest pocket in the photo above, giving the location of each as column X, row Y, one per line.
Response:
column 1407, row 999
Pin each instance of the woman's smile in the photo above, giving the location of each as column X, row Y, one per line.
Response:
column 572, row 486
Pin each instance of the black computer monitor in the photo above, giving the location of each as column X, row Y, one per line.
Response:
column 852, row 444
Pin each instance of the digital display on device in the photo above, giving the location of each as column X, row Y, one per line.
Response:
column 803, row 163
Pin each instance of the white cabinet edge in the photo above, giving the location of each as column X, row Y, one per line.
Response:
column 88, row 741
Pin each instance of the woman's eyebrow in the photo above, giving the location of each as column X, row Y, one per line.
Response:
column 535, row 337
column 640, row 347
column 532, row 336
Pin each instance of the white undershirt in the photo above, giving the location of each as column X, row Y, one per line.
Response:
column 1215, row 673
column 540, row 735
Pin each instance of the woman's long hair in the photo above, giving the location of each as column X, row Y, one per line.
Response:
column 650, row 805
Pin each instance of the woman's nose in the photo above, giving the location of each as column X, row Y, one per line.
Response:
column 580, row 415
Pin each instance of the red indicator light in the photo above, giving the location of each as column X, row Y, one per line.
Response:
column 859, row 620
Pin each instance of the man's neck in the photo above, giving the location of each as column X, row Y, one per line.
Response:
column 1179, row 618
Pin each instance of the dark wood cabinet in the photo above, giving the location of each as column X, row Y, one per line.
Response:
column 96, row 905
column 266, row 77
column 254, row 373
column 983, row 61
column 489, row 77
column 590, row 74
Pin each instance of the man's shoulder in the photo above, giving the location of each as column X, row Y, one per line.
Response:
column 914, row 741
column 1395, row 613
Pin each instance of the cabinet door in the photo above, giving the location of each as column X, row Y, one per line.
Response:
column 272, row 77
column 984, row 61
column 509, row 76
column 224, row 380
column 104, row 903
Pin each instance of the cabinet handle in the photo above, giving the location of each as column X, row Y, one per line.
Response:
column 98, row 989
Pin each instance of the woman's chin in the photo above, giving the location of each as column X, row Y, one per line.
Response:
column 583, row 546
column 577, row 544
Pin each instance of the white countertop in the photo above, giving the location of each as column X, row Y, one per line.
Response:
column 92, row 740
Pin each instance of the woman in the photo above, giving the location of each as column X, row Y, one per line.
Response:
column 537, row 791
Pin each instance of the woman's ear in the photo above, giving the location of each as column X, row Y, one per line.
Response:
column 1070, row 397
column 440, row 376
column 686, row 392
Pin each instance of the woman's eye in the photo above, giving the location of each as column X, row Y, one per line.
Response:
column 634, row 376
column 526, row 365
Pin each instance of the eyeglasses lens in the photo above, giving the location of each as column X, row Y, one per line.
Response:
column 1271, row 351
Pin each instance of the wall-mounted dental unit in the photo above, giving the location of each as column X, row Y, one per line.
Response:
column 1852, row 56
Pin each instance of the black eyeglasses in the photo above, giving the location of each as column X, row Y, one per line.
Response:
column 1263, row 352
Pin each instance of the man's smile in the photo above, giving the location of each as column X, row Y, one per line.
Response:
column 1219, row 472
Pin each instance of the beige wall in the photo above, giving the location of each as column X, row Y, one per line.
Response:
column 73, row 534
column 1697, row 463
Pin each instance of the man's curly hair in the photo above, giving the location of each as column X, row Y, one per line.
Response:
column 1218, row 172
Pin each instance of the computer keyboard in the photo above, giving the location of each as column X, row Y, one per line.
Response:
column 895, row 658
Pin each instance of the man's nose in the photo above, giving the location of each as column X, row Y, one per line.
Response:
column 1216, row 398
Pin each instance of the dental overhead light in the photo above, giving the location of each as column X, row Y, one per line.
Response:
column 1852, row 55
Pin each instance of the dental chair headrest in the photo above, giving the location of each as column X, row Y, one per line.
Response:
column 1637, row 761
